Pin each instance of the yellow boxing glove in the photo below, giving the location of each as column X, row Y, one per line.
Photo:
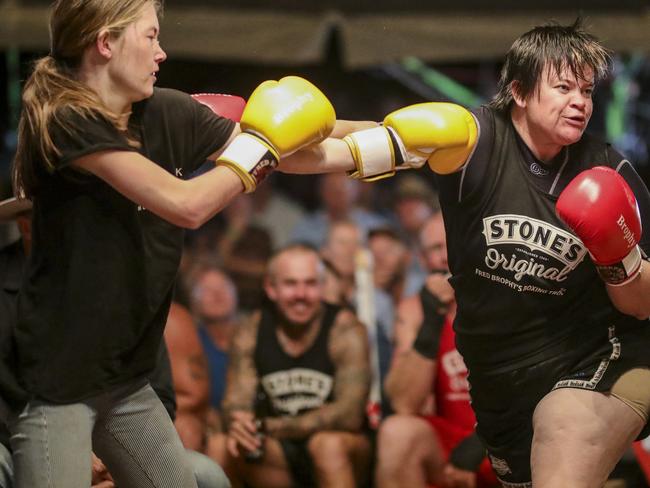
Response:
column 280, row 118
column 442, row 134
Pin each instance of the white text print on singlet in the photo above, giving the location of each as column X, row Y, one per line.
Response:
column 526, row 254
column 454, row 367
column 296, row 390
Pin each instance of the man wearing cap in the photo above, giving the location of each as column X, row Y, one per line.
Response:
column 414, row 202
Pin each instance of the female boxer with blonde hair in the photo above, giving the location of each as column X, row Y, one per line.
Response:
column 103, row 156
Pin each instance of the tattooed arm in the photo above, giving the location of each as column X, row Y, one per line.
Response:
column 241, row 385
column 348, row 348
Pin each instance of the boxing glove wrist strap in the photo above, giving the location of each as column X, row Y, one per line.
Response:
column 375, row 152
column 468, row 453
column 622, row 272
column 251, row 157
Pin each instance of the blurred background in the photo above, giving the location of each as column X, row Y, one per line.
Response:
column 369, row 57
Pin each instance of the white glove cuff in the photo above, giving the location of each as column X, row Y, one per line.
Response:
column 373, row 152
column 251, row 158
column 621, row 273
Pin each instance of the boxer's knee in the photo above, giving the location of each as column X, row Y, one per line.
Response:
column 399, row 433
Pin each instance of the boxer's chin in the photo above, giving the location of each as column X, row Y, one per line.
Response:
column 144, row 94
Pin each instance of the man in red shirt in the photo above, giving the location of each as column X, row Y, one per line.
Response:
column 430, row 439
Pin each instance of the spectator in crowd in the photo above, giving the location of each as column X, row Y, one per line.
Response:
column 414, row 202
column 440, row 448
column 190, row 376
column 237, row 245
column 214, row 306
column 306, row 363
column 391, row 258
column 350, row 282
column 275, row 212
column 243, row 249
column 339, row 196
column 339, row 253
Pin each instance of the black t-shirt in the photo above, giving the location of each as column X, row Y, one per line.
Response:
column 525, row 286
column 99, row 281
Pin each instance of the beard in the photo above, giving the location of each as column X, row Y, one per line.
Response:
column 441, row 271
column 295, row 327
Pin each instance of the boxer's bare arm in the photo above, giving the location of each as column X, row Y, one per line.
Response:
column 348, row 346
column 330, row 156
column 186, row 203
column 341, row 129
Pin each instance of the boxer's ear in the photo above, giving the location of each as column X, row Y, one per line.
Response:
column 515, row 89
column 105, row 44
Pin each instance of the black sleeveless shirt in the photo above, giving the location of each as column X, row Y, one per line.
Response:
column 525, row 285
column 294, row 385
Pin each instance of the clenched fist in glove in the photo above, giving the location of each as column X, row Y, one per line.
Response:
column 599, row 206
column 280, row 118
column 442, row 134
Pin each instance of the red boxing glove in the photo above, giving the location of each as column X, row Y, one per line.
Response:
column 229, row 106
column 599, row 206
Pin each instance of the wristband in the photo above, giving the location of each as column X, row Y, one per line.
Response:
column 624, row 271
column 427, row 340
column 251, row 158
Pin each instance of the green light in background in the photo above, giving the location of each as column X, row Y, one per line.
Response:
column 451, row 89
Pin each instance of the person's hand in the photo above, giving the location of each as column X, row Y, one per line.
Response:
column 454, row 477
column 101, row 478
column 242, row 434
column 439, row 286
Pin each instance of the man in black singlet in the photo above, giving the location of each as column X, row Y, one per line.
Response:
column 308, row 362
